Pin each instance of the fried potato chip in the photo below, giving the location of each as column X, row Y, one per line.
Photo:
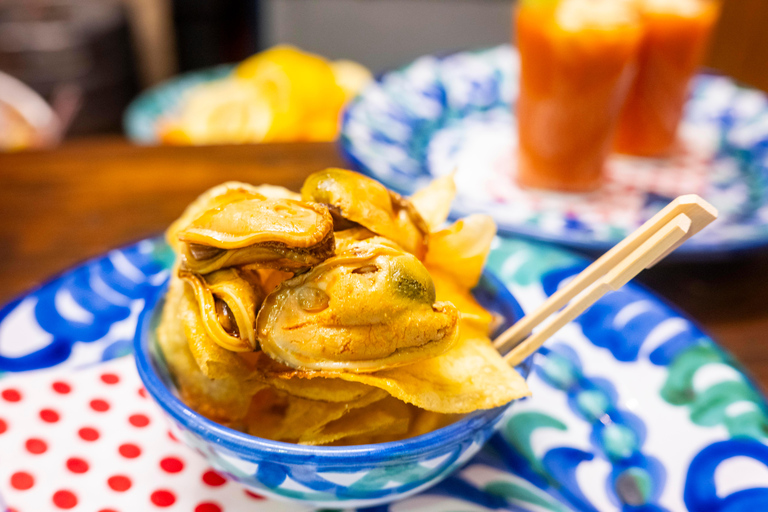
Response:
column 265, row 413
column 220, row 400
column 424, row 422
column 321, row 128
column 220, row 112
column 460, row 250
column 447, row 289
column 351, row 77
column 471, row 375
column 388, row 417
column 171, row 134
column 325, row 390
column 421, row 422
column 280, row 94
column 433, row 202
column 321, row 389
column 300, row 86
column 282, row 417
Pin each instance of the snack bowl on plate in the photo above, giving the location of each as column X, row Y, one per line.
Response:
column 324, row 476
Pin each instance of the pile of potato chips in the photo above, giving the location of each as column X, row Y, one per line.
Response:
column 259, row 300
column 280, row 94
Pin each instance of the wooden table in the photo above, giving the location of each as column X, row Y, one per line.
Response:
column 60, row 207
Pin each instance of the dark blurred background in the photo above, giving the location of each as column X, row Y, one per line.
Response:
column 98, row 54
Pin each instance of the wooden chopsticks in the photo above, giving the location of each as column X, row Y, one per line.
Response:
column 646, row 246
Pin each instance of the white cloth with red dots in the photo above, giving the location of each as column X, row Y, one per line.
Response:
column 93, row 441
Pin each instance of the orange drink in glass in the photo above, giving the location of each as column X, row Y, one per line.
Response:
column 673, row 46
column 577, row 63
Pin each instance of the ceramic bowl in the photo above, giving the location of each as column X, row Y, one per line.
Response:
column 354, row 476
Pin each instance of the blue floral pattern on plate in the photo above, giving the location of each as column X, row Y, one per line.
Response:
column 455, row 113
column 634, row 408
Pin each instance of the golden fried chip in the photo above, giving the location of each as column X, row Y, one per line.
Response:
column 351, row 77
column 469, row 376
column 265, row 413
column 322, row 389
column 301, row 88
column 388, row 417
column 223, row 111
column 447, row 289
column 282, row 417
column 433, row 202
column 424, row 422
column 326, row 390
column 171, row 134
column 460, row 250
column 220, row 400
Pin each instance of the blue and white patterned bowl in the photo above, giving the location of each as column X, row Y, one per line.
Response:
column 355, row 476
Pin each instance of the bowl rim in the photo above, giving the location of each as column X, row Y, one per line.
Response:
column 246, row 445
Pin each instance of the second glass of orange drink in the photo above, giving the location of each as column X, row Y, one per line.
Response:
column 577, row 64
column 676, row 36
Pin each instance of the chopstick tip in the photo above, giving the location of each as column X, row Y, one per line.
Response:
column 699, row 201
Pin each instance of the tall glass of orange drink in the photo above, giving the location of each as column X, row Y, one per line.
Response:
column 577, row 62
column 676, row 35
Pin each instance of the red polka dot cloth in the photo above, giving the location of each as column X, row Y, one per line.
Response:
column 92, row 441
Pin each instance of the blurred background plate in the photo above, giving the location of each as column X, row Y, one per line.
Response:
column 633, row 407
column 141, row 116
column 455, row 112
column 26, row 120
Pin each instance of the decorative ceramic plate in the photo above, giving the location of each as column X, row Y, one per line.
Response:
column 438, row 115
column 141, row 116
column 634, row 408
